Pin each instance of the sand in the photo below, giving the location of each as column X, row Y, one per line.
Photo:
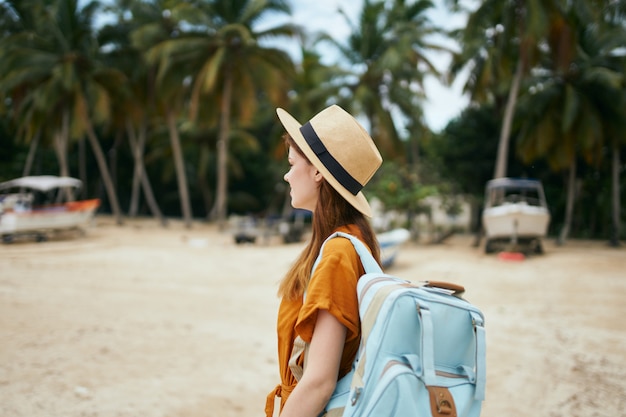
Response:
column 143, row 321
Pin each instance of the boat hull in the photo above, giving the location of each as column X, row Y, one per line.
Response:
column 71, row 215
column 511, row 221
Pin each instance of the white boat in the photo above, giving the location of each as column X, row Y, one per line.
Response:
column 516, row 213
column 390, row 243
column 33, row 208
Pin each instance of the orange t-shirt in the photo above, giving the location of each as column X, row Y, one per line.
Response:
column 333, row 288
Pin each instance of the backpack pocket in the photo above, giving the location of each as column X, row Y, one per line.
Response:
column 399, row 392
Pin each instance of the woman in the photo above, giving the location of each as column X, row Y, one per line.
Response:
column 331, row 157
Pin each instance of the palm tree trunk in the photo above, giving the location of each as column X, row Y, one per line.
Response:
column 154, row 207
column 569, row 206
column 616, row 206
column 136, row 149
column 112, row 157
column 32, row 149
column 82, row 167
column 180, row 169
column 505, row 132
column 104, row 173
column 221, row 192
column 60, row 147
column 137, row 146
column 203, row 184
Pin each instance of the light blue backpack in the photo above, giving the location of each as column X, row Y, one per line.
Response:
column 422, row 350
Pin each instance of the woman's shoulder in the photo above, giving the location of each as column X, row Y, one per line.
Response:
column 339, row 244
column 351, row 229
column 343, row 245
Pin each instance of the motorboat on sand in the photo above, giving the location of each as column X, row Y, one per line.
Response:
column 38, row 206
column 516, row 213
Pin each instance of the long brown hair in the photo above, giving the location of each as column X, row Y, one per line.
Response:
column 331, row 212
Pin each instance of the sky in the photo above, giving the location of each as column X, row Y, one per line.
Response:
column 443, row 102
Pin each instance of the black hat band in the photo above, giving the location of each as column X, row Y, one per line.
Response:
column 331, row 164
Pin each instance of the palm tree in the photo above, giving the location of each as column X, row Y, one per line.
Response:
column 386, row 50
column 133, row 111
column 241, row 59
column 58, row 65
column 15, row 19
column 170, row 91
column 230, row 66
column 502, row 38
column 574, row 104
column 606, row 36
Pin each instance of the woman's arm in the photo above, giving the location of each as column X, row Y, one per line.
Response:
column 322, row 368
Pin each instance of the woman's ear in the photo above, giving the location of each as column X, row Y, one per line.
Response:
column 318, row 176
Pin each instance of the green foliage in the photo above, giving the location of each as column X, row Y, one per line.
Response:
column 399, row 187
column 12, row 154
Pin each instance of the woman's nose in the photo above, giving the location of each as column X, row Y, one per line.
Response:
column 286, row 176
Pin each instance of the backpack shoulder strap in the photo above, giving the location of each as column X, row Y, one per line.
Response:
column 369, row 263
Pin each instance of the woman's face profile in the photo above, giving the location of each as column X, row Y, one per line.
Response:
column 304, row 180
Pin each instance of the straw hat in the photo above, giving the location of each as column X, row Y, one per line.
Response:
column 341, row 150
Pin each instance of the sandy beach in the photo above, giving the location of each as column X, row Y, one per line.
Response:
column 144, row 321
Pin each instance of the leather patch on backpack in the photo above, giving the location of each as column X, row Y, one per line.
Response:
column 457, row 290
column 441, row 402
